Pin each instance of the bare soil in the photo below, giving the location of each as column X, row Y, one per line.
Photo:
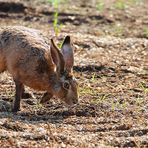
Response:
column 111, row 65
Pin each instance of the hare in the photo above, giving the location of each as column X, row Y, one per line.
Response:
column 35, row 62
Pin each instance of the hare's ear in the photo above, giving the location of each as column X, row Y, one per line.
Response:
column 57, row 57
column 68, row 54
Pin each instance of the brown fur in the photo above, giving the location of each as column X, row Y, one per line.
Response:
column 25, row 53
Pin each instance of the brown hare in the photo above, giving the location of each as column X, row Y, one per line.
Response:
column 35, row 62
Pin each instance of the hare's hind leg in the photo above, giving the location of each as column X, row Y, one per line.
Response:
column 2, row 64
column 26, row 95
column 18, row 95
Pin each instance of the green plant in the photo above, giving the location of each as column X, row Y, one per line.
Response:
column 145, row 32
column 144, row 88
column 56, row 25
column 100, row 99
column 100, row 5
column 120, row 4
column 38, row 106
column 86, row 90
column 123, row 4
column 93, row 78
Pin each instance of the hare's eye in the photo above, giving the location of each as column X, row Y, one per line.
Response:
column 66, row 85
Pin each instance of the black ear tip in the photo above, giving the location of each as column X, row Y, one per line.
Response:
column 52, row 41
column 67, row 39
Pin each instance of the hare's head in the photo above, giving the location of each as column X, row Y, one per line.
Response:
column 67, row 88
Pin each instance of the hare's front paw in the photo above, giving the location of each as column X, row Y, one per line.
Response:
column 46, row 97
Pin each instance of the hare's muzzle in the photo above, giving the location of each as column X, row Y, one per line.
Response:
column 71, row 101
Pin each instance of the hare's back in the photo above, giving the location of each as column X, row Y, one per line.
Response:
column 24, row 49
column 22, row 37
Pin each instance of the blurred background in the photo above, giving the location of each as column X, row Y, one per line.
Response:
column 122, row 18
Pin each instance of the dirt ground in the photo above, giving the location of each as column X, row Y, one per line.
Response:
column 110, row 39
